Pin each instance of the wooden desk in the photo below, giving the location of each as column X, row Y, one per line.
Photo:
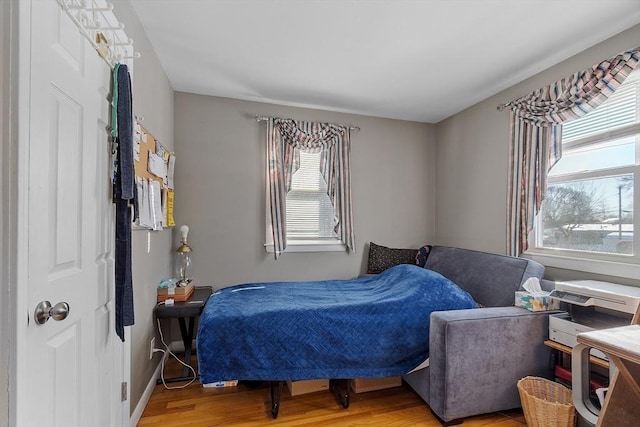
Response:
column 183, row 311
column 622, row 346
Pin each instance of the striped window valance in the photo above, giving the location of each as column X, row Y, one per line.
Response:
column 286, row 138
column 536, row 130
column 576, row 95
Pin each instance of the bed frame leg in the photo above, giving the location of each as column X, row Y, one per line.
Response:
column 343, row 399
column 275, row 397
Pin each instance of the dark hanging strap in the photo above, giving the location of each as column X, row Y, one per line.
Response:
column 124, row 195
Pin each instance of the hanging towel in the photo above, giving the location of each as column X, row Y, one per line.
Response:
column 125, row 133
column 124, row 196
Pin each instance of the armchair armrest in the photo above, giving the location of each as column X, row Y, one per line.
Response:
column 477, row 357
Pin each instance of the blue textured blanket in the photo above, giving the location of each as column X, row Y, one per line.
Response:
column 362, row 328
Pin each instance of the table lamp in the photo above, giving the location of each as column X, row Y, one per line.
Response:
column 183, row 258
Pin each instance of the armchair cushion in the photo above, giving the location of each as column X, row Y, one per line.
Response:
column 478, row 356
column 490, row 279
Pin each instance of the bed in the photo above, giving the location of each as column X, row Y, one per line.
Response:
column 369, row 327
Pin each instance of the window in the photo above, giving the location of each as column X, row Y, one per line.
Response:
column 590, row 207
column 310, row 215
column 309, row 211
column 317, row 156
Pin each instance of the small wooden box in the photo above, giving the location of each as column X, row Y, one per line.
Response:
column 178, row 295
column 362, row 385
column 307, row 386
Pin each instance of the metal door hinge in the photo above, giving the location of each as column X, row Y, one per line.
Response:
column 123, row 392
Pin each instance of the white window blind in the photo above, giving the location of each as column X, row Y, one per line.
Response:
column 620, row 110
column 309, row 210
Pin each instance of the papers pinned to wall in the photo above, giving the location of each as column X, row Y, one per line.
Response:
column 144, row 206
column 170, row 169
column 169, row 209
column 157, row 166
column 155, row 200
column 136, row 142
column 155, row 205
column 154, row 166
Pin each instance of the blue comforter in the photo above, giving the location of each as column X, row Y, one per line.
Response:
column 362, row 328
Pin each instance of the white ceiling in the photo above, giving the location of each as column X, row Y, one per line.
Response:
column 413, row 60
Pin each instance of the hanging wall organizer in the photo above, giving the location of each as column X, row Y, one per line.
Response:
column 98, row 24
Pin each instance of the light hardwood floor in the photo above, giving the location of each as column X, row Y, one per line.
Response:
column 248, row 405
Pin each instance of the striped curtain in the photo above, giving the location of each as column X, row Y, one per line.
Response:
column 285, row 139
column 536, row 131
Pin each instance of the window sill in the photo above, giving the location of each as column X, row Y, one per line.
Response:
column 629, row 268
column 310, row 246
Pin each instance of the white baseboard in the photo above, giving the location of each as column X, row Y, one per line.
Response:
column 146, row 395
column 174, row 346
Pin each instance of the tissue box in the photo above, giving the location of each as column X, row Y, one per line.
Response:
column 528, row 301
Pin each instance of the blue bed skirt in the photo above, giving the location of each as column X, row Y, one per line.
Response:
column 362, row 328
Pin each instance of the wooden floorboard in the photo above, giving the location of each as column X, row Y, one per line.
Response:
column 248, row 405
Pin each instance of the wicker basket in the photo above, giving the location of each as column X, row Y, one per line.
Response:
column 546, row 403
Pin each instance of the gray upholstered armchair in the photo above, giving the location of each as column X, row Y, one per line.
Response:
column 477, row 356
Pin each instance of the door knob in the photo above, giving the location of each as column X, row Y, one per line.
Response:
column 44, row 311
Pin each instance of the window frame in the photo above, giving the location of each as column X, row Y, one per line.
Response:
column 298, row 244
column 617, row 265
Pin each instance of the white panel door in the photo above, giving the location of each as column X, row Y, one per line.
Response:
column 69, row 371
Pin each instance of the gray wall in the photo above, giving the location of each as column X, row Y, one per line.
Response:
column 220, row 189
column 152, row 100
column 472, row 159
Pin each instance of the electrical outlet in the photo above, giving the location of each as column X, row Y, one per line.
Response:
column 152, row 347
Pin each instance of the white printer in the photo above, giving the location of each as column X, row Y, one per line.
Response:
column 598, row 294
column 591, row 305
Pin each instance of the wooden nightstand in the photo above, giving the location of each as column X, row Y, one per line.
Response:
column 183, row 311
